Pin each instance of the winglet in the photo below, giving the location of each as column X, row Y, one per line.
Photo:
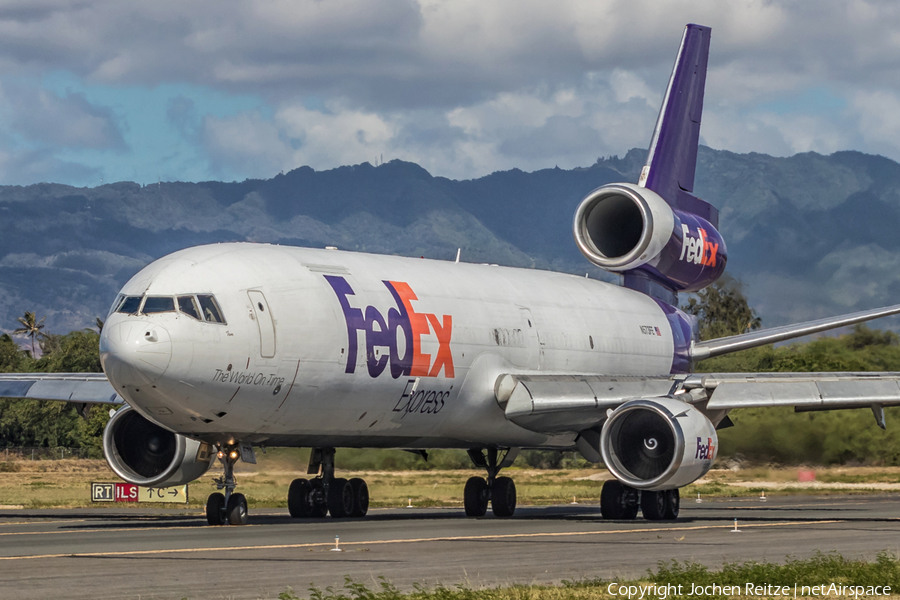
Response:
column 672, row 159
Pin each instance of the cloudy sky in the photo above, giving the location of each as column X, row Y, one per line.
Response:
column 107, row 90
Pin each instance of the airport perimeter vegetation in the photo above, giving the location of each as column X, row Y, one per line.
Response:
column 823, row 575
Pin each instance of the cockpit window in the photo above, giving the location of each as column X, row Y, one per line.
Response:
column 158, row 304
column 130, row 305
column 116, row 304
column 210, row 309
column 188, row 306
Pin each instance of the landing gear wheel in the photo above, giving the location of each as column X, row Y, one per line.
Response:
column 360, row 497
column 673, row 504
column 299, row 498
column 340, row 498
column 236, row 510
column 215, row 509
column 475, row 498
column 503, row 497
column 318, row 507
column 617, row 501
column 653, row 505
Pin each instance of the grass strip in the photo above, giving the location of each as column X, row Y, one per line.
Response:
column 835, row 576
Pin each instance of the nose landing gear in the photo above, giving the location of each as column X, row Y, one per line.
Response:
column 327, row 494
column 500, row 492
column 228, row 508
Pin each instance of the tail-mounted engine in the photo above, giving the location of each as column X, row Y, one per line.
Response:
column 621, row 227
column 658, row 444
column 143, row 453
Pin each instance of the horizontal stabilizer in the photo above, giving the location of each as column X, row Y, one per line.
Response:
column 717, row 347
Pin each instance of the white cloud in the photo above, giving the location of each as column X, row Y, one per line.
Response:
column 256, row 147
column 246, row 145
column 457, row 85
column 69, row 121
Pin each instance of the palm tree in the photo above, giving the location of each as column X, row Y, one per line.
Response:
column 30, row 327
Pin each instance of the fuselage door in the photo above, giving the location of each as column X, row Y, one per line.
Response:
column 263, row 317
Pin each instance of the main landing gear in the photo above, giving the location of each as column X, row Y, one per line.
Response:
column 326, row 494
column 228, row 508
column 499, row 491
column 621, row 502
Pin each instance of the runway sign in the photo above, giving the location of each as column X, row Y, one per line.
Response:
column 127, row 492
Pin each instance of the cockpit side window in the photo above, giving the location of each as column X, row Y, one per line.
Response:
column 130, row 305
column 115, row 305
column 210, row 309
column 188, row 306
column 158, row 304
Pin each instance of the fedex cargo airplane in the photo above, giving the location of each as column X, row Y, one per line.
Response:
column 219, row 349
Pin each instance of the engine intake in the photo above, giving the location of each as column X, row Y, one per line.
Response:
column 658, row 444
column 143, row 453
column 621, row 226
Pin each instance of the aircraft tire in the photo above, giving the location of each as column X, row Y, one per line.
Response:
column 612, row 500
column 475, row 497
column 318, row 505
column 340, row 498
column 299, row 498
column 215, row 509
column 653, row 505
column 673, row 504
column 360, row 497
column 236, row 510
column 503, row 497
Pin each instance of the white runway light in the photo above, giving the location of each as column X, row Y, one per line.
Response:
column 337, row 545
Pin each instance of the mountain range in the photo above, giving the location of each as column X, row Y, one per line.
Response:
column 809, row 235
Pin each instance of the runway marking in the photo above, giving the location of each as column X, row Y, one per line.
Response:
column 504, row 536
column 47, row 521
column 66, row 532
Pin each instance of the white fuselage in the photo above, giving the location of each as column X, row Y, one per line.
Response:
column 431, row 339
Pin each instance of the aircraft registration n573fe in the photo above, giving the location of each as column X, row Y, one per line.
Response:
column 222, row 348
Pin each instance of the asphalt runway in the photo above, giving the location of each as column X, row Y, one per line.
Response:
column 109, row 553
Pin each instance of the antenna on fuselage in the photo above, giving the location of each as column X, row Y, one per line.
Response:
column 458, row 252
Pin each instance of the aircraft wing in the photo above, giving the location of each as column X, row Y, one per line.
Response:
column 82, row 388
column 557, row 403
column 719, row 346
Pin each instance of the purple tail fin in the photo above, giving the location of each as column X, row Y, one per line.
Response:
column 672, row 159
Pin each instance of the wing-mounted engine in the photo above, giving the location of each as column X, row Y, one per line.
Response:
column 624, row 227
column 658, row 444
column 143, row 453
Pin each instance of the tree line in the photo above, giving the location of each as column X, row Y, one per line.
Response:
column 46, row 423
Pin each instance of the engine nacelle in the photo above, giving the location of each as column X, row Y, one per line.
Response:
column 621, row 226
column 143, row 453
column 658, row 444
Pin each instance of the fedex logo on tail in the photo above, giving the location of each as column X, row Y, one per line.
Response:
column 698, row 250
column 705, row 451
column 384, row 333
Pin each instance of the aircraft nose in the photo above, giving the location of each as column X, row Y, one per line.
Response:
column 135, row 352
